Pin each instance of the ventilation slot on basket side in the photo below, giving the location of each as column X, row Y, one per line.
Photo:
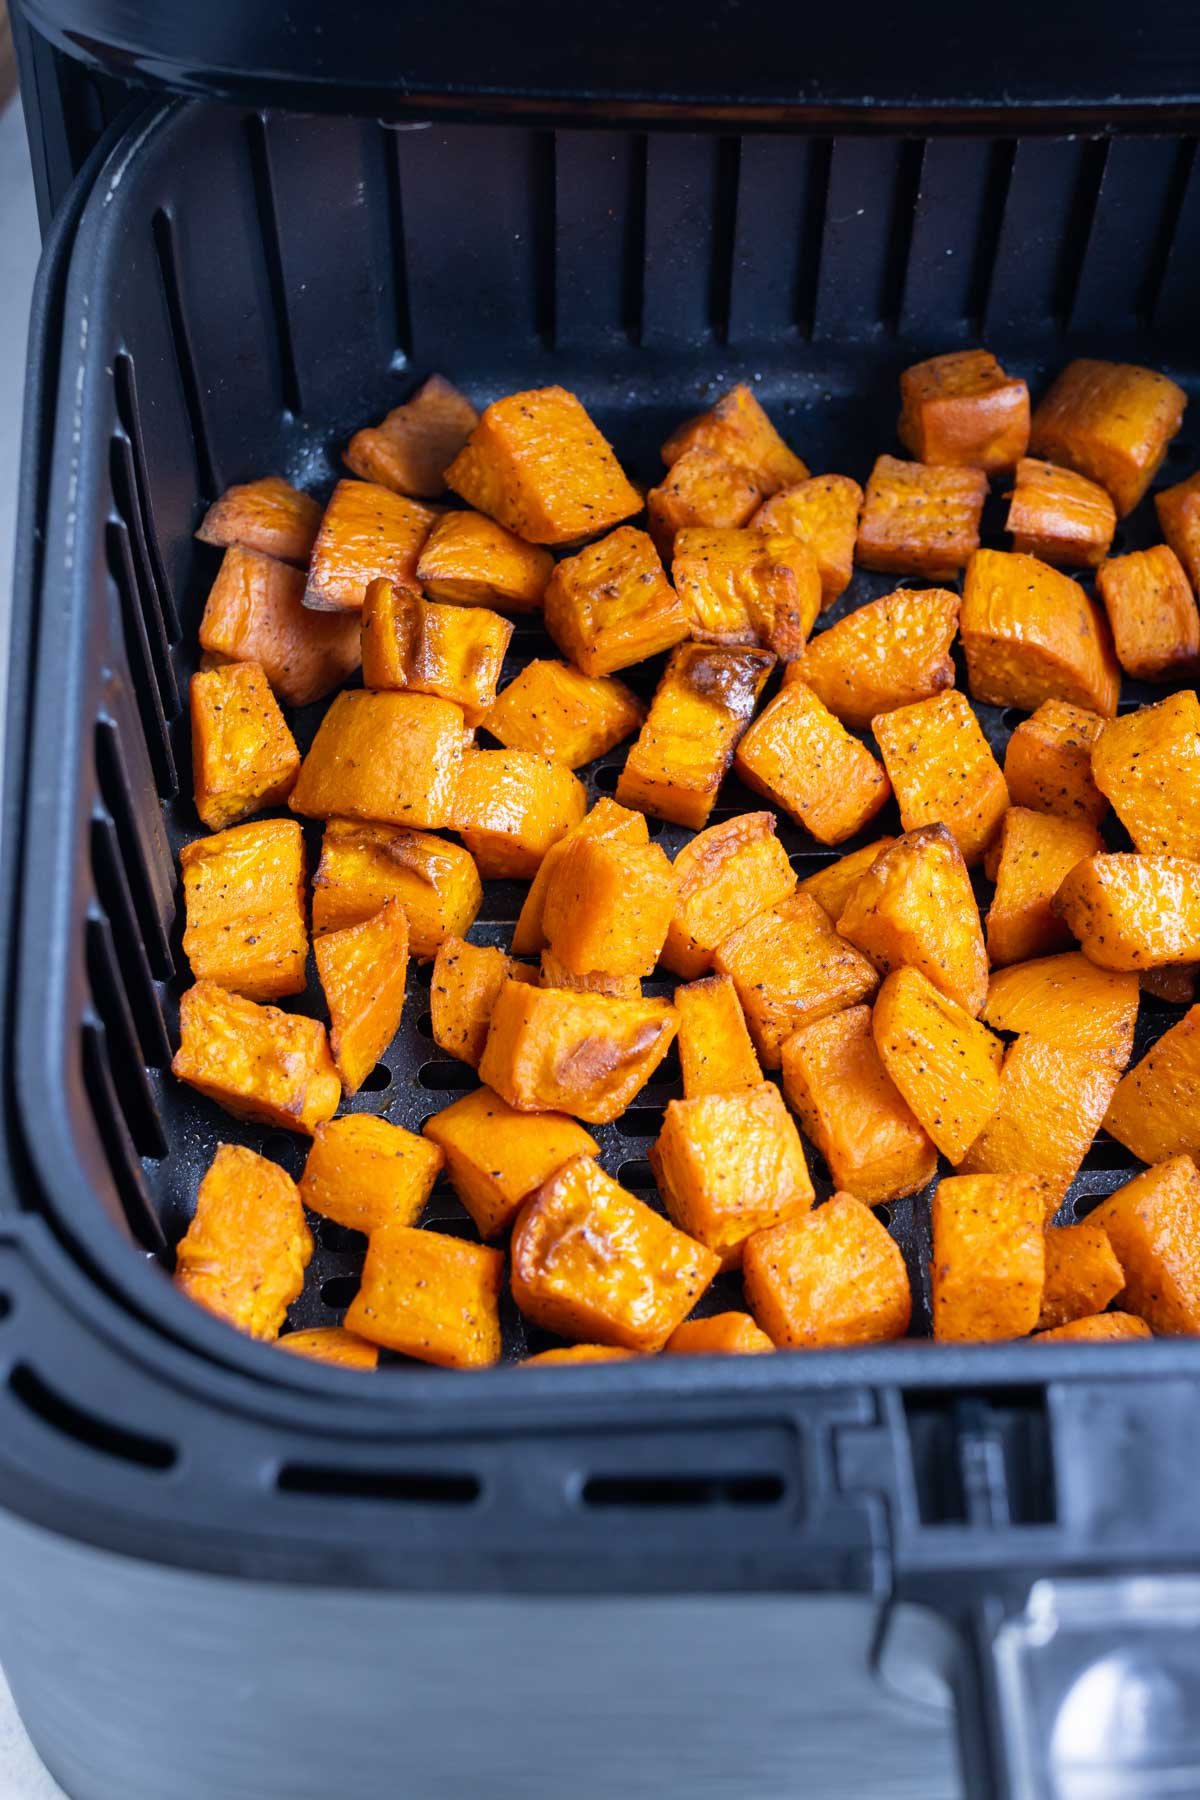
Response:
column 185, row 357
column 124, row 1052
column 153, row 685
column 268, row 229
column 137, row 1207
column 416, row 1486
column 116, row 794
column 982, row 1458
column 70, row 1420
column 676, row 1491
column 125, row 391
column 116, row 902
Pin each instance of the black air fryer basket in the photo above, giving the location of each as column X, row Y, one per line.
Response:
column 357, row 1583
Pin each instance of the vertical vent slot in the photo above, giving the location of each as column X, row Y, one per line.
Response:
column 163, row 230
column 121, row 1039
column 1175, row 302
column 124, row 489
column 394, row 193
column 116, row 793
column 599, row 226
column 1134, row 216
column 137, row 1208
column 154, row 689
column 258, row 150
column 116, row 901
column 125, row 390
column 866, row 236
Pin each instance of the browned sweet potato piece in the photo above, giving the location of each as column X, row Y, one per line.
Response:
column 1066, row 1000
column 390, row 758
column 591, row 1261
column 721, row 1334
column 609, row 906
column 1148, row 765
column 612, row 605
column 255, row 613
column 472, row 561
column 463, row 988
column 268, row 515
column 244, row 1254
column 790, row 967
column 1156, row 1110
column 920, row 520
column 915, row 904
column 605, row 820
column 510, row 806
column 412, row 446
column 1151, row 613
column 1052, row 1104
column 362, row 970
column 1048, row 763
column 1100, row 1325
column 332, row 1344
column 1133, row 912
column 889, row 653
column 830, row 1277
column 1033, row 855
column 1082, row 1273
column 593, row 981
column 453, row 652
column 1030, row 633
column 715, row 1052
column 942, row 770
column 496, row 1157
column 701, row 707
column 363, row 1173
column 244, row 893
column 243, row 755
column 430, row 1296
column 1176, row 986
column 738, row 428
column 553, row 710
column 367, row 533
column 962, row 408
column 747, row 587
column 726, row 874
column 364, row 865
column 577, row 1353
column 945, row 1063
column 1178, row 511
column 823, row 513
column 255, row 1061
column 830, row 886
column 989, row 1257
column 1153, row 1224
column 1110, row 421
column 1059, row 516
column 549, row 1050
column 802, row 758
column 701, row 487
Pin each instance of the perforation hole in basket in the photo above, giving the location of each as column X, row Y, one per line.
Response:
column 378, row 1081
column 447, row 1077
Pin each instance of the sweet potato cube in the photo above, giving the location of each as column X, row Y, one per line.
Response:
column 244, row 757
column 1155, row 1112
column 1052, row 1104
column 715, row 1051
column 510, row 806
column 738, row 429
column 823, row 513
column 364, row 865
column 430, row 1296
column 701, row 487
column 332, row 1344
column 576, row 1353
column 1109, row 421
column 453, row 652
column 362, row 970
column 915, row 904
column 1030, row 633
column 605, row 820
column 255, row 613
column 255, row 1061
column 1153, row 1224
column 244, row 893
column 413, row 445
column 830, row 886
column 1034, row 854
column 612, row 605
column 538, row 464
column 390, row 758
column 832, row 1277
column 244, row 1254
column 1133, row 912
column 363, row 1172
column 1151, row 613
column 609, row 906
column 727, row 1165
column 553, row 710
column 701, row 707
column 799, row 756
column 963, row 409
column 269, row 516
column 1148, row 765
column 888, row 653
column 367, row 534
column 1178, row 511
column 463, row 989
column 1059, row 516
column 1048, row 763
column 790, row 967
column 1082, row 1273
column 942, row 770
column 595, row 981
column 721, row 1334
column 1099, row 1326
column 472, row 561
column 989, row 1257
column 747, row 587
column 496, row 1157
column 726, row 874
column 945, row 1063
column 593, row 1262
column 1067, row 1001
column 852, row 1110
column 550, row 1050
column 920, row 520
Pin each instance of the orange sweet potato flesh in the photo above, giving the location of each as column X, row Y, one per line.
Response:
column 945, row 1063
column 538, row 464
column 1133, row 912
column 606, row 820
column 255, row 613
column 853, row 1112
column 453, row 652
column 472, row 561
column 362, row 970
column 1101, row 1326
column 510, row 806
column 823, row 513
column 1148, row 765
column 790, row 968
column 721, row 1334
column 410, row 448
column 549, row 1050
column 430, row 1296
column 553, row 710
column 496, row 1156
column 715, row 1051
column 1151, row 613
column 701, row 707
column 1155, row 1112
column 269, row 516
column 592, row 1262
column 889, row 653
column 920, row 520
column 963, row 409
column 747, row 587
column 915, row 904
column 244, row 1254
column 609, row 906
column 989, row 1257
column 1060, row 516
column 463, row 989
column 1052, row 1104
column 1178, row 511
column 1048, row 762
column 244, row 757
column 1082, row 1273
column 364, row 865
column 612, row 605
column 1030, row 633
column 701, row 487
column 363, row 1172
column 257, row 1062
column 576, row 1353
column 738, row 428
column 1067, row 1001
column 244, row 892
column 1153, row 1224
column 556, row 974
column 942, row 770
column 1109, row 421
column 830, row 885
column 797, row 754
column 727, row 1165
column 367, row 533
column 1034, row 854
column 726, row 874
column 390, row 758
column 832, row 1277
column 332, row 1344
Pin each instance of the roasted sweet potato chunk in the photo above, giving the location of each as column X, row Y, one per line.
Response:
column 1099, row 1325
column 390, row 758
column 496, row 1157
column 1048, row 763
column 1068, row 1001
column 945, row 1063
column 920, row 520
column 609, row 906
column 823, row 513
column 715, row 1051
column 830, row 886
column 747, row 587
column 1133, row 912
column 576, row 1353
column 244, row 1254
column 802, row 758
column 364, row 865
column 1153, row 1224
column 413, row 445
column 790, row 967
column 1178, row 511
column 244, row 757
column 362, row 969
column 605, row 820
column 1082, row 1273
column 942, row 770
column 701, row 707
column 1034, row 854
column 1151, row 613
column 463, row 988
column 268, row 515
column 591, row 1261
column 738, row 428
column 915, row 904
column 726, row 874
column 888, row 653
column 510, row 806
column 612, row 605
column 963, row 409
column 852, row 1110
column 368, row 533
column 721, row 1334
column 830, row 1277
column 1109, row 421
column 989, row 1257
column 363, row 1173
column 255, row 1061
column 538, row 464
column 430, row 1296
column 244, row 893
column 1156, row 1110
column 594, row 981
column 332, row 1344
column 255, row 613
column 1030, row 633
column 701, row 487
column 453, row 652
column 1148, row 765
column 553, row 710
column 1060, row 516
column 1052, row 1104
column 584, row 1054
column 472, row 561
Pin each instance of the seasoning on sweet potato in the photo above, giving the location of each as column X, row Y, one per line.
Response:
column 853, row 1112
column 915, row 904
column 510, row 806
column 472, row 561
column 605, row 820
column 453, row 652
column 1030, row 633
column 412, row 446
column 244, row 894
column 738, row 428
column 1030, row 859
column 1133, row 912
column 920, row 520
column 1060, row 516
column 592, row 1262
column 538, row 463
column 790, row 967
column 830, row 885
column 888, row 653
column 496, row 1156
column 1052, row 1104
column 989, row 1257
column 1068, row 1001
column 747, row 587
column 1110, row 421
column 332, row 1344
column 463, row 988
column 553, row 710
column 549, row 1050
column 701, row 707
column 1151, row 613
column 701, row 487
column 1176, row 986
column 823, row 513
column 593, row 981
column 727, row 1165
column 244, row 757
column 1100, row 1325
column 1048, row 762
column 609, row 906
column 611, row 604
column 1082, row 1273
column 1178, row 511
column 726, row 874
column 362, row 970
column 430, row 1296
column 942, row 770
column 1148, row 765
column 945, row 1063
column 1153, row 1224
column 269, row 516
column 721, row 1334
column 363, row 865
column 244, row 1254
column 576, row 1353
column 963, row 409
column 798, row 755
column 367, row 533
column 255, row 613
column 363, row 1172
column 716, row 1055
column 389, row 758
column 256, row 1061
column 831, row 1277
column 1156, row 1110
